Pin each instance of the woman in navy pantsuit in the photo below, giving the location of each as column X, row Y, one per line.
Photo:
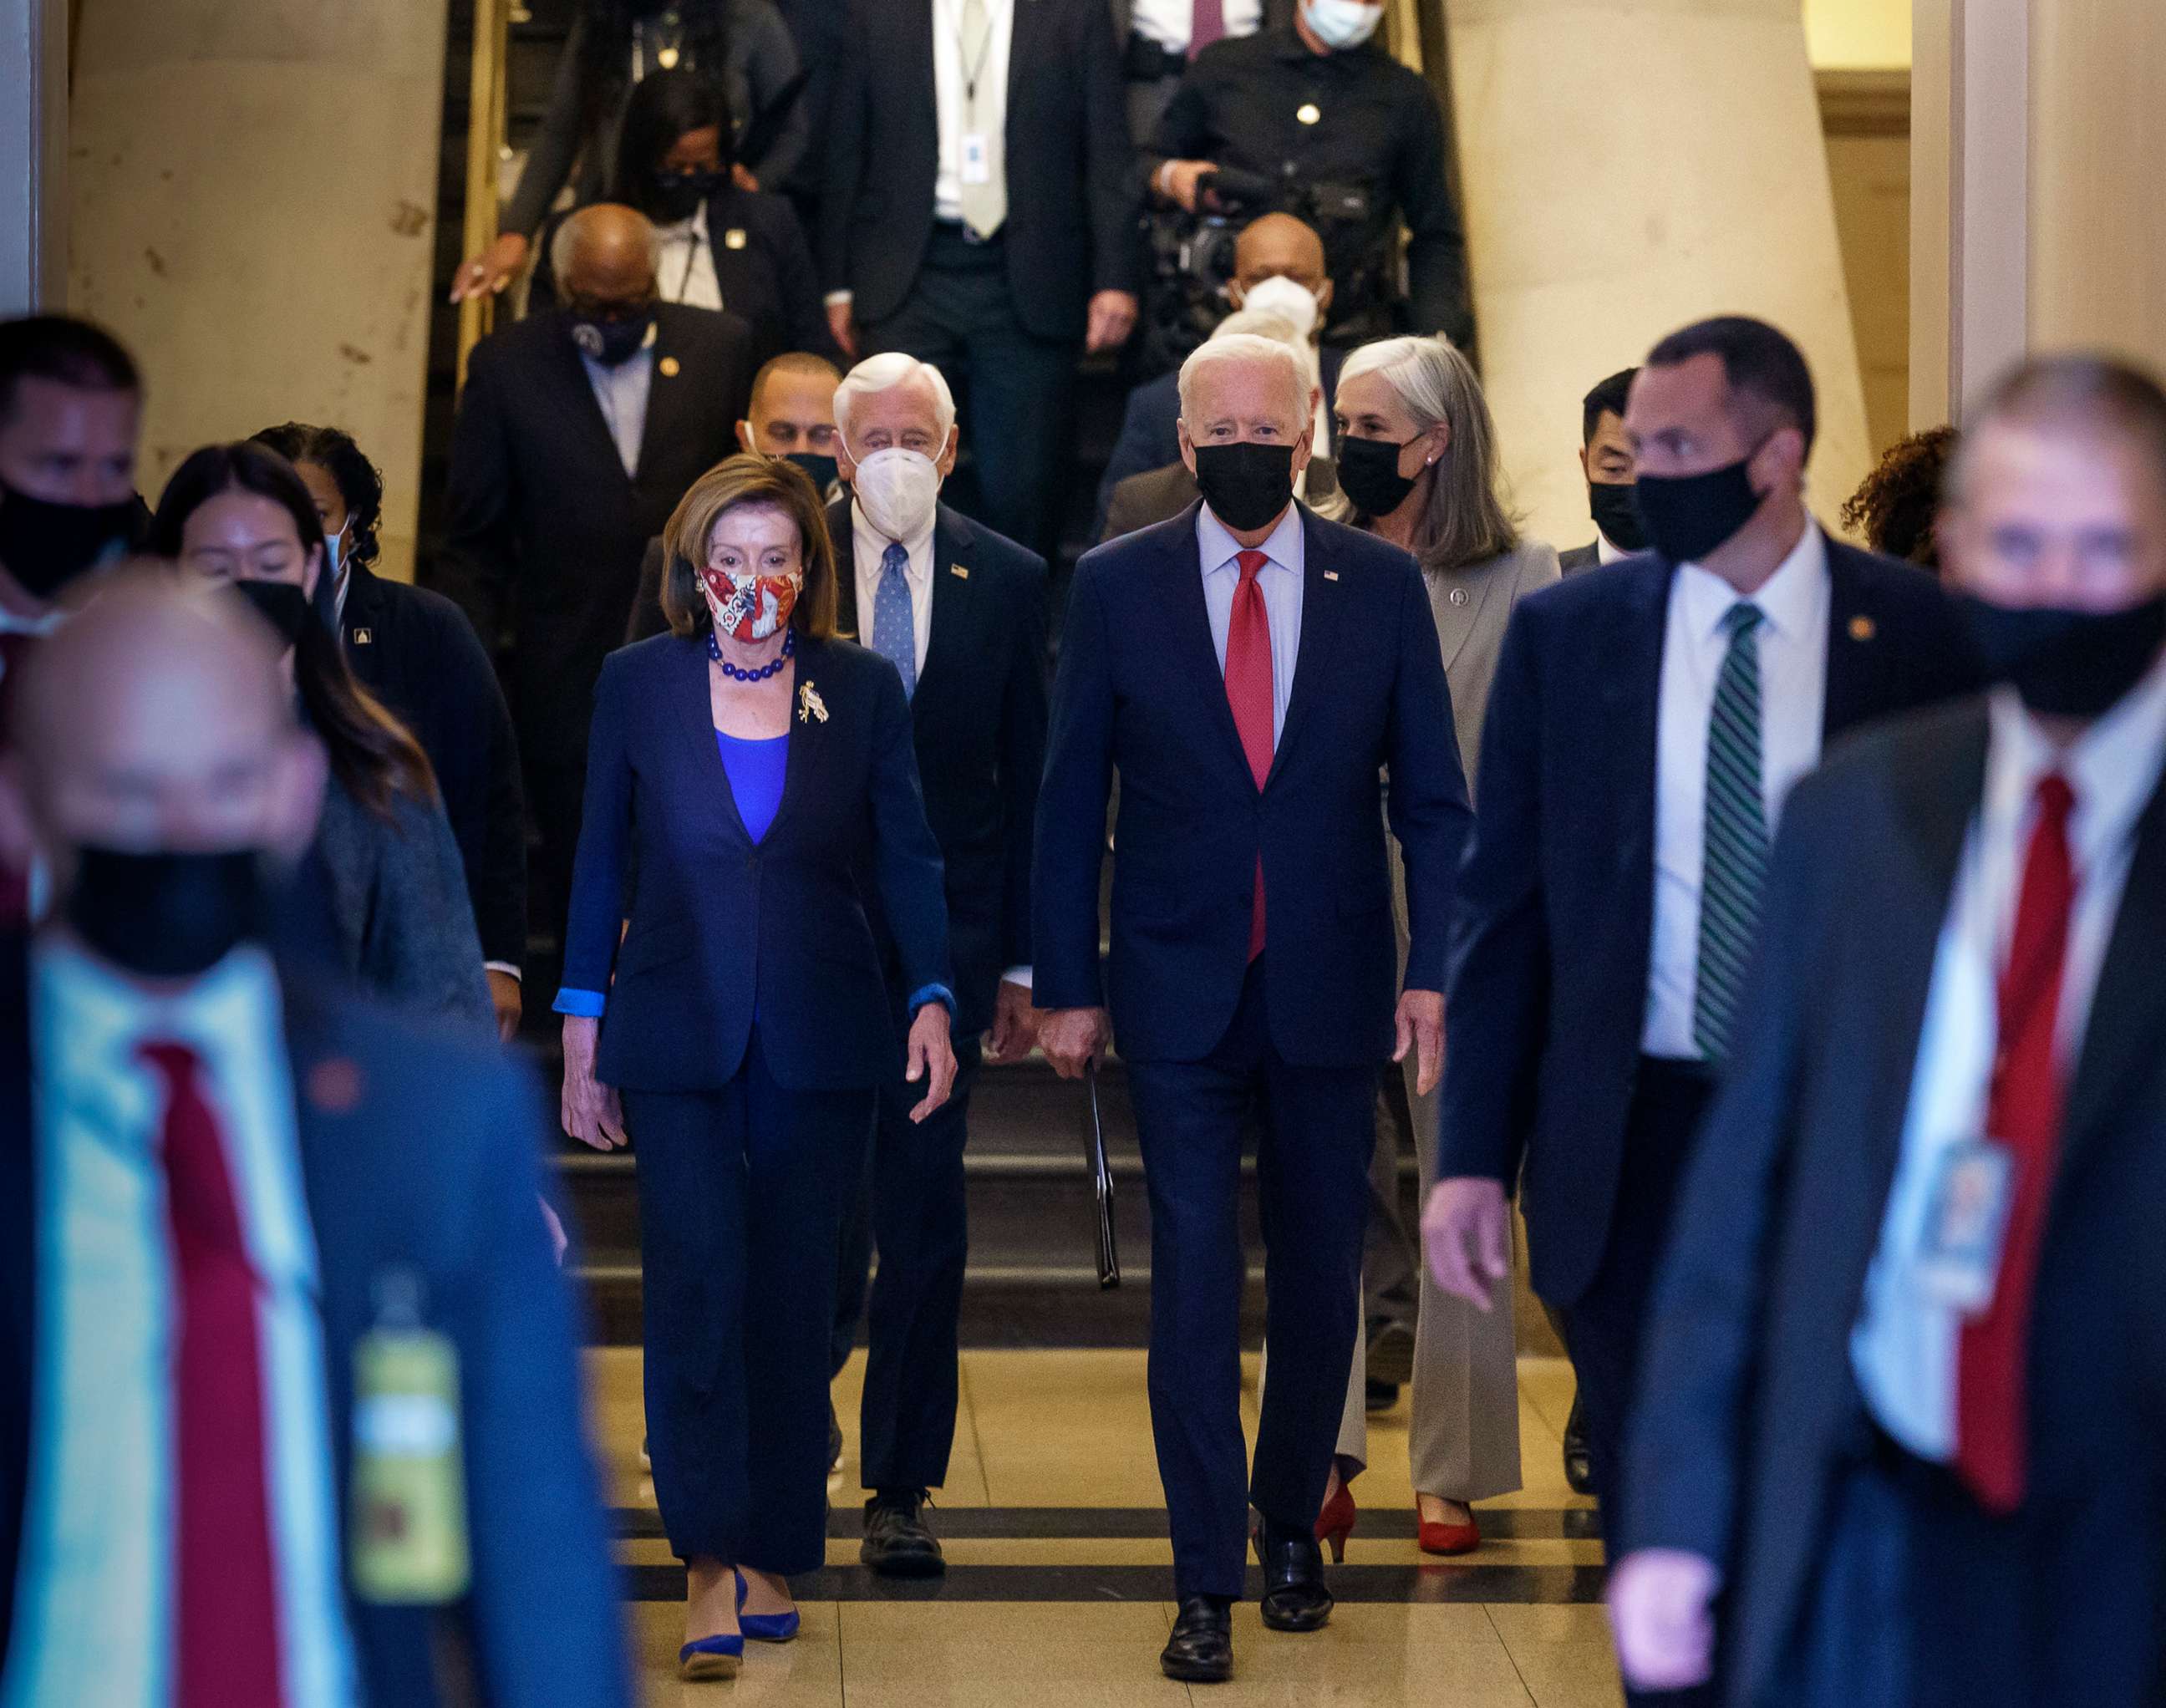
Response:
column 744, row 768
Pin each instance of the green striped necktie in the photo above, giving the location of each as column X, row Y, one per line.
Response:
column 1735, row 869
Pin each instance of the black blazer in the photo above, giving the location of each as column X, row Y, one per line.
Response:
column 543, row 520
column 1140, row 689
column 718, row 928
column 419, row 1150
column 1550, row 939
column 1072, row 200
column 767, row 276
column 1750, row 1413
column 416, row 652
column 978, row 716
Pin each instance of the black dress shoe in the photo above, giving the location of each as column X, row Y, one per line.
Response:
column 1380, row 1396
column 1391, row 1351
column 1200, row 1650
column 1294, row 1595
column 897, row 1543
column 1578, row 1463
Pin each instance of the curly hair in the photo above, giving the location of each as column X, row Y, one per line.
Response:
column 1895, row 505
column 358, row 481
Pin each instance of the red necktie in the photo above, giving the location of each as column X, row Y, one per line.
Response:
column 1249, row 691
column 2023, row 1112
column 1207, row 24
column 225, row 1624
column 14, row 885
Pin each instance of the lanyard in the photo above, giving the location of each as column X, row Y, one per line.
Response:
column 971, row 73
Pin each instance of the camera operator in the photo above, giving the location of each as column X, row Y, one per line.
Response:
column 1348, row 140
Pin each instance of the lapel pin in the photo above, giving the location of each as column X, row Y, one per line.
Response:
column 958, row 571
column 1862, row 628
column 334, row 1085
column 1331, row 575
column 362, row 638
column 734, row 238
column 670, row 368
column 810, row 705
column 1459, row 596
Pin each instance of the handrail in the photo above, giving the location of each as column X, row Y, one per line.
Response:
column 485, row 139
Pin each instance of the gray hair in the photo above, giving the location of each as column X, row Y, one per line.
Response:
column 879, row 373
column 1225, row 349
column 566, row 241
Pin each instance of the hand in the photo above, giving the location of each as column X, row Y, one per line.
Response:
column 1660, row 1602
column 490, row 271
column 559, row 1242
column 1112, row 318
column 503, row 995
column 589, row 1110
column 1015, row 1024
column 1072, row 1039
column 743, row 178
column 932, row 1058
column 1180, row 179
column 845, row 329
column 1421, row 1026
column 1466, row 1236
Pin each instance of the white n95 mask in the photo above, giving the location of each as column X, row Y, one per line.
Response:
column 1288, row 298
column 897, row 490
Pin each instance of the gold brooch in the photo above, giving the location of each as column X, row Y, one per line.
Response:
column 810, row 705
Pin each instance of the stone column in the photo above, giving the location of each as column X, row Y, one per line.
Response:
column 253, row 195
column 33, row 154
column 1629, row 166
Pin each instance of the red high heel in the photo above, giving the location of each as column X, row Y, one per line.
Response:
column 1335, row 1522
column 1438, row 1537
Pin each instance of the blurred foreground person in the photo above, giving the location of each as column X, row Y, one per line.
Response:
column 752, row 769
column 245, row 1230
column 1904, row 1392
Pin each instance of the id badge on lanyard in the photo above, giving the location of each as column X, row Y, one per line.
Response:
column 1959, row 1250
column 409, row 1535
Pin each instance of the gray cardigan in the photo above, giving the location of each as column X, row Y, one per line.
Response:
column 1471, row 606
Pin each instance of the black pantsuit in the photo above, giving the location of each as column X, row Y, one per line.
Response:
column 741, row 1198
column 1314, row 1133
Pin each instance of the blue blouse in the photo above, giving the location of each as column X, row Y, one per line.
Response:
column 757, row 769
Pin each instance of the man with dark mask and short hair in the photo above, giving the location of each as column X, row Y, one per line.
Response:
column 1905, row 1372
column 244, row 1225
column 1607, row 906
column 1605, row 459
column 1251, row 670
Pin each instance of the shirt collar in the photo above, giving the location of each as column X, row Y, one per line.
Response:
column 693, row 226
column 1219, row 548
column 1791, row 601
column 1605, row 552
column 2113, row 767
column 872, row 544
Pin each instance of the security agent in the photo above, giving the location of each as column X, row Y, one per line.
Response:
column 1346, row 138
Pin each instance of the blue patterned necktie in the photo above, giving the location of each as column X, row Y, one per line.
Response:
column 1735, row 867
column 895, row 629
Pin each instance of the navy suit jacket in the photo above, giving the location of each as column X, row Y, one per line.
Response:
column 403, row 1105
column 1551, row 938
column 1140, row 689
column 718, row 928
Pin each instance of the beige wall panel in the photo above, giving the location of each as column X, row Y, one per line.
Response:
column 1631, row 165
column 1871, row 176
column 252, row 202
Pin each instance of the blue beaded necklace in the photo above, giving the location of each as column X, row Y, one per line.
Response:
column 771, row 667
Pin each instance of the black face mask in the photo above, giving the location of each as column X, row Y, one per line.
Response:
column 678, row 195
column 1616, row 512
column 45, row 545
column 281, row 604
column 2067, row 664
column 166, row 914
column 1687, row 516
column 1246, row 484
column 820, row 468
column 1369, row 475
column 613, row 341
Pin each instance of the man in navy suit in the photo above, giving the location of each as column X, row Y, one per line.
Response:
column 1644, row 726
column 288, row 1402
column 1251, row 669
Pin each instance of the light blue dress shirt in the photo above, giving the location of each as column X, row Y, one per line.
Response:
column 1281, row 579
column 621, row 394
column 93, row 1617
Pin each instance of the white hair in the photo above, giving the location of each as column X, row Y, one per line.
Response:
column 1263, row 323
column 1227, row 349
column 879, row 373
column 565, row 244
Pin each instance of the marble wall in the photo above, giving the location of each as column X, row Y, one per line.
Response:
column 33, row 154
column 252, row 190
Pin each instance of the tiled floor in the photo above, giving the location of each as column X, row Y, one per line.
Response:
column 1059, row 1569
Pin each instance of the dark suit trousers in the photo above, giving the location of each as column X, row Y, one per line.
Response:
column 1313, row 1147
column 1014, row 387
column 740, row 1199
column 913, row 1207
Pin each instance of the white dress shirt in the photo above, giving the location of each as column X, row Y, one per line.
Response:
column 869, row 545
column 95, row 1594
column 686, row 271
column 959, row 112
column 1169, row 22
column 1904, row 1347
column 1793, row 643
column 1604, row 552
column 621, row 392
column 1281, row 579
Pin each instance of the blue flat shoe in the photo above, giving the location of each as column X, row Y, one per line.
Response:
column 710, row 1659
column 764, row 1627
